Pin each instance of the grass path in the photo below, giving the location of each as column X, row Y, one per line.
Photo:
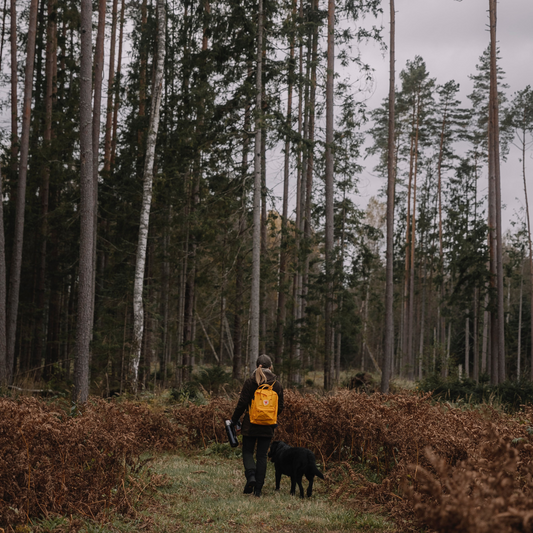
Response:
column 203, row 493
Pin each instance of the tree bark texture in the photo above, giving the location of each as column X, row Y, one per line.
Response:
column 140, row 261
column 256, row 236
column 86, row 209
column 328, row 352
column 498, row 334
column 44, row 192
column 3, row 340
column 280, row 325
column 98, row 75
column 110, row 89
column 14, row 84
column 16, row 259
column 530, row 252
column 117, row 87
column 391, row 182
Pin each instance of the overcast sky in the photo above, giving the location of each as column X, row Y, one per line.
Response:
column 450, row 36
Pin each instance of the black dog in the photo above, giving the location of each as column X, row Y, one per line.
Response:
column 296, row 463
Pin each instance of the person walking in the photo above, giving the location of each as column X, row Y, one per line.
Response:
column 256, row 436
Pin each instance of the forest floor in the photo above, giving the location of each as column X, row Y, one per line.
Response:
column 203, row 493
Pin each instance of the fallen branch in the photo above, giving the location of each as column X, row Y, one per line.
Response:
column 39, row 391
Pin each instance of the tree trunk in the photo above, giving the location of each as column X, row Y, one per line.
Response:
column 142, row 77
column 448, row 343
column 307, row 190
column 498, row 347
column 519, row 348
column 295, row 348
column 3, row 292
column 529, row 242
column 44, row 192
column 14, row 86
column 85, row 287
column 3, row 358
column 422, row 322
column 256, row 240
column 467, row 344
column 264, row 256
column 117, row 87
column 53, row 341
column 98, row 80
column 237, row 320
column 221, row 325
column 391, row 179
column 110, row 89
column 411, row 324
column 328, row 355
column 16, row 259
column 280, row 325
column 140, row 261
column 165, row 292
column 485, row 337
column 239, row 285
column 476, row 335
column 178, row 380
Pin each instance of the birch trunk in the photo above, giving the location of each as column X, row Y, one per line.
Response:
column 142, row 75
column 140, row 262
column 3, row 358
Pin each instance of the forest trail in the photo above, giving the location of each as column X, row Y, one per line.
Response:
column 204, row 493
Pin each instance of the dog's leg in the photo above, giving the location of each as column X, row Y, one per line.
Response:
column 278, row 478
column 310, row 478
column 299, row 481
column 293, row 484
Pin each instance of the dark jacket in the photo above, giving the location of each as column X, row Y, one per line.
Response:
column 245, row 400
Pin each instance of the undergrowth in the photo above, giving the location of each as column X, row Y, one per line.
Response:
column 450, row 469
column 508, row 396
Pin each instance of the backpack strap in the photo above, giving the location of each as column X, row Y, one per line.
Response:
column 265, row 385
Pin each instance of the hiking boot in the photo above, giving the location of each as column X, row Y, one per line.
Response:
column 250, row 482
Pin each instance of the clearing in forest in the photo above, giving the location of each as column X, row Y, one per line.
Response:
column 204, row 493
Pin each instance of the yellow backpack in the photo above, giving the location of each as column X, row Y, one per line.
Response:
column 264, row 408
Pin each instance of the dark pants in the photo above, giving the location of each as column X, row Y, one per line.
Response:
column 248, row 446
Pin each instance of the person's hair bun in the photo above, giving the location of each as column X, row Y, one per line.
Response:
column 264, row 360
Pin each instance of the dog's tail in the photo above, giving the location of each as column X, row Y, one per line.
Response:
column 317, row 472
